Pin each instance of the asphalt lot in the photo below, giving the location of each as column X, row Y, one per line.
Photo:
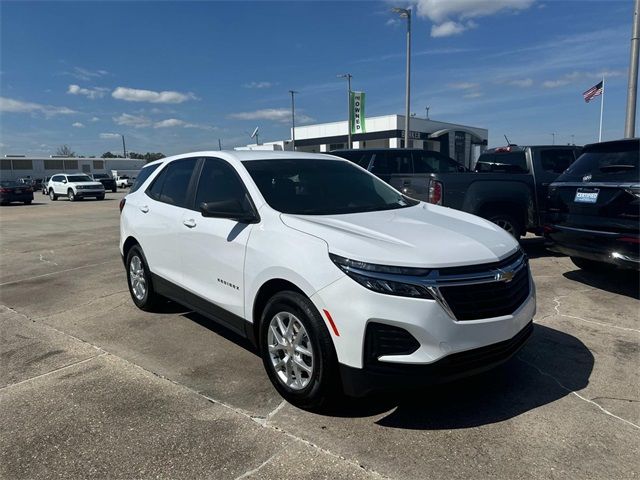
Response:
column 91, row 387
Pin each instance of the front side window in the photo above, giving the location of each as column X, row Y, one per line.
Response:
column 219, row 182
column 172, row 184
column 556, row 160
column 322, row 187
column 392, row 162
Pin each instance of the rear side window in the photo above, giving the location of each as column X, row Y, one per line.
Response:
column 142, row 176
column 507, row 162
column 434, row 162
column 556, row 160
column 608, row 162
column 172, row 184
column 392, row 163
column 219, row 182
column 359, row 157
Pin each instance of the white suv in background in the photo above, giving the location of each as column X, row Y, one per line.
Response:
column 341, row 281
column 75, row 186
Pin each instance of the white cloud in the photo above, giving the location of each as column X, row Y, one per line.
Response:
column 463, row 85
column 575, row 77
column 447, row 29
column 282, row 115
column 522, row 82
column 109, row 135
column 92, row 93
column 137, row 121
column 447, row 15
column 473, row 95
column 18, row 106
column 95, row 119
column 78, row 125
column 258, row 85
column 170, row 122
column 85, row 74
column 137, row 95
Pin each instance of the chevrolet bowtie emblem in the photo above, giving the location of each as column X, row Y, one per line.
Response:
column 504, row 276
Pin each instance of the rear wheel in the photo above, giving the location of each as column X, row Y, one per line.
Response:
column 28, row 202
column 592, row 265
column 71, row 195
column 139, row 281
column 507, row 222
column 297, row 351
column 52, row 195
column 100, row 197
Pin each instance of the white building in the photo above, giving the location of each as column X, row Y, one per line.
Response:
column 16, row 166
column 460, row 142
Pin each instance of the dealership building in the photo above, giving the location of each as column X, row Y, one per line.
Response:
column 16, row 166
column 460, row 142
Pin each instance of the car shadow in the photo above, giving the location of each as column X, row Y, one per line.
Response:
column 222, row 331
column 621, row 282
column 535, row 247
column 551, row 366
column 18, row 204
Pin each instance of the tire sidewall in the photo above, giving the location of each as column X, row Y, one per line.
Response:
column 510, row 219
column 71, row 195
column 133, row 252
column 325, row 362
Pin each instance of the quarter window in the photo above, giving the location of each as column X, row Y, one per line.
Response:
column 143, row 175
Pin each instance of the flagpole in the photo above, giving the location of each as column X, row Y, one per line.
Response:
column 601, row 110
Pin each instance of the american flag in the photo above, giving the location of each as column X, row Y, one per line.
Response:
column 593, row 92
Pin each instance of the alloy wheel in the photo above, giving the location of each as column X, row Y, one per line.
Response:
column 137, row 278
column 290, row 350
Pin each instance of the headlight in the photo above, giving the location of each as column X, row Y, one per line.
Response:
column 387, row 279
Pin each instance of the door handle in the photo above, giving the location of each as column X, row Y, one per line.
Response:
column 144, row 208
column 189, row 223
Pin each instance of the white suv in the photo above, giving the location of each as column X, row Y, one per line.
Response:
column 340, row 280
column 75, row 186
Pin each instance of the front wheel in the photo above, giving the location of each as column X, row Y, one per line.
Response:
column 71, row 194
column 592, row 265
column 297, row 351
column 139, row 281
column 52, row 195
column 100, row 197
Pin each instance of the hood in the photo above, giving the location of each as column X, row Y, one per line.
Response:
column 93, row 183
column 422, row 236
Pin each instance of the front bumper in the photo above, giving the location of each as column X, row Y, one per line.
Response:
column 622, row 250
column 89, row 193
column 381, row 377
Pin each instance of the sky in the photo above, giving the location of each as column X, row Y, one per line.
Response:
column 174, row 77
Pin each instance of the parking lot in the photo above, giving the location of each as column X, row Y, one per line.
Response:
column 91, row 387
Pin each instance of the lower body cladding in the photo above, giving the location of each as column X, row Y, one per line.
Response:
column 384, row 342
column 90, row 193
column 620, row 249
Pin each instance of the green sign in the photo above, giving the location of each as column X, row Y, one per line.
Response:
column 356, row 104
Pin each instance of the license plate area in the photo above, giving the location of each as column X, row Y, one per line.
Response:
column 586, row 195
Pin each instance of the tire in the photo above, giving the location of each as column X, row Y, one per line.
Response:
column 315, row 386
column 52, row 195
column 508, row 223
column 146, row 298
column 114, row 189
column 592, row 265
column 71, row 195
column 28, row 202
column 100, row 197
column 4, row 204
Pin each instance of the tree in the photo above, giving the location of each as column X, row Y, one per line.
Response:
column 150, row 157
column 108, row 155
column 65, row 151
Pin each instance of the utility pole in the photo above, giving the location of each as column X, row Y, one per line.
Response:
column 124, row 147
column 219, row 145
column 427, row 108
column 293, row 120
column 406, row 13
column 553, row 135
column 630, row 121
column 348, row 76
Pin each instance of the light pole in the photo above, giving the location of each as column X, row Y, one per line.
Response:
column 630, row 123
column 293, row 120
column 124, row 147
column 348, row 77
column 427, row 108
column 406, row 13
column 553, row 136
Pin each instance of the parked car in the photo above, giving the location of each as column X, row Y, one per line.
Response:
column 11, row 191
column 108, row 182
column 45, row 185
column 339, row 279
column 405, row 169
column 124, row 181
column 508, row 187
column 34, row 183
column 74, row 186
column 594, row 208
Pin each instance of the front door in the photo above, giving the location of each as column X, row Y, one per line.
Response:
column 214, row 248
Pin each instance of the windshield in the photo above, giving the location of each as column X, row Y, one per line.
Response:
column 608, row 162
column 79, row 178
column 322, row 187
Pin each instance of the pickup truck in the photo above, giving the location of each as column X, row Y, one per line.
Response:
column 509, row 185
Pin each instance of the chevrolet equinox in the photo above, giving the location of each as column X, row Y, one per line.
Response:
column 341, row 282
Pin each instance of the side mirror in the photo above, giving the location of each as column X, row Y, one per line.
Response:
column 64, row 181
column 231, row 209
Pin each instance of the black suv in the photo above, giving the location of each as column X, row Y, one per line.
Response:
column 593, row 209
column 405, row 169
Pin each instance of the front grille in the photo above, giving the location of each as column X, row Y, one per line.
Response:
column 490, row 299
column 381, row 339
